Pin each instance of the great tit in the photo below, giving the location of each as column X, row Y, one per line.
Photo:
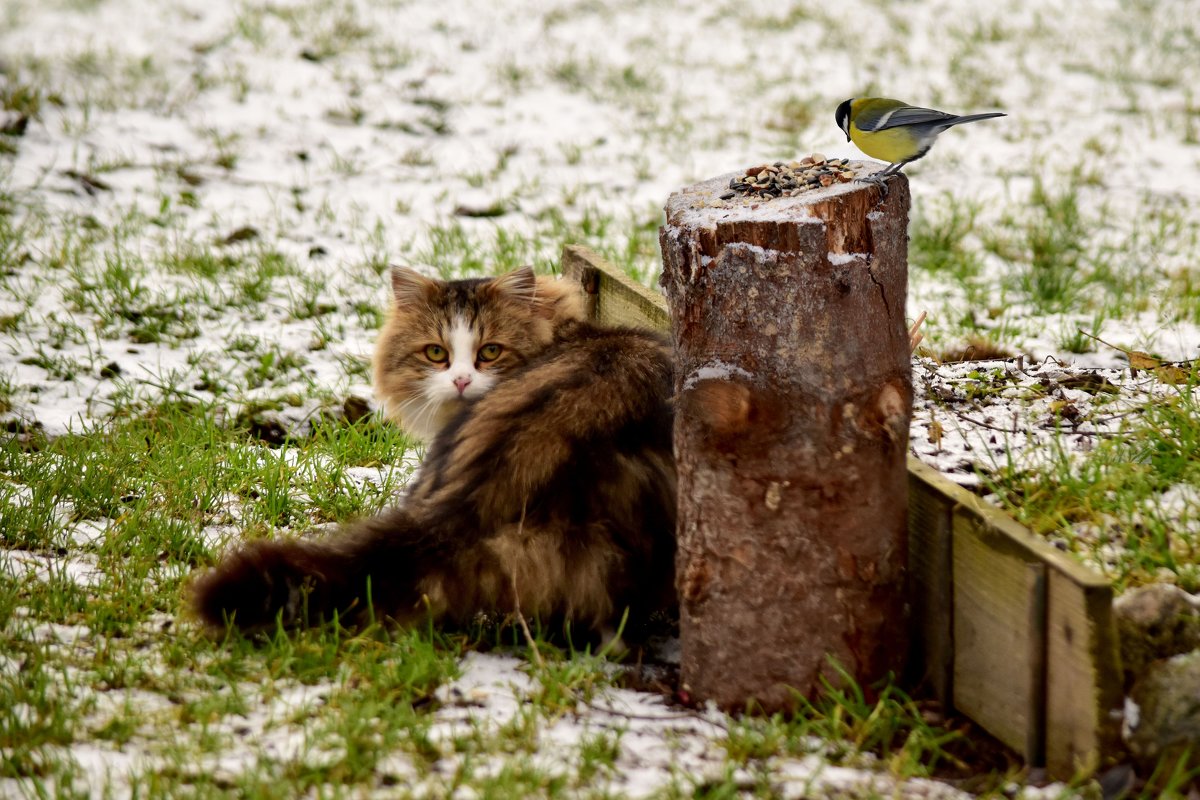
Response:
column 893, row 131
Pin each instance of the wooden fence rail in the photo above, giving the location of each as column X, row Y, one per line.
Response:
column 1007, row 630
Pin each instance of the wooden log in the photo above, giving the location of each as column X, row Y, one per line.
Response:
column 794, row 397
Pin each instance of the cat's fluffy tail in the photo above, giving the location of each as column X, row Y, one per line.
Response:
column 351, row 575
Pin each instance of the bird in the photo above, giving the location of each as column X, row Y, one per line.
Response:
column 895, row 132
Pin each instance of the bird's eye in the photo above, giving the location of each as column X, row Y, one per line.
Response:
column 436, row 353
column 490, row 352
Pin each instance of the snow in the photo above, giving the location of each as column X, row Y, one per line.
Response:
column 530, row 105
column 840, row 259
column 714, row 371
column 1131, row 716
column 78, row 569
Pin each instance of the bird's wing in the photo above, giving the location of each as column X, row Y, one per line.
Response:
column 871, row 121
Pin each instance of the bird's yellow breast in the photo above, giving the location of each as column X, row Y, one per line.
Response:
column 891, row 145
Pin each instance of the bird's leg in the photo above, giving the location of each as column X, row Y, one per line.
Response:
column 880, row 178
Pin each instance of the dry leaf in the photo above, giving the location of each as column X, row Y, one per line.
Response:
column 1172, row 375
column 1065, row 409
column 1140, row 360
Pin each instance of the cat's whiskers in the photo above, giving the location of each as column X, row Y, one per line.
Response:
column 418, row 411
column 423, row 414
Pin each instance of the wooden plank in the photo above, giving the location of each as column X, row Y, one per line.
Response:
column 1035, row 734
column 1083, row 683
column 584, row 265
column 998, row 656
column 613, row 297
column 930, row 515
column 1083, row 676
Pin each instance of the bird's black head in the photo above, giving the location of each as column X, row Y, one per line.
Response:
column 842, row 115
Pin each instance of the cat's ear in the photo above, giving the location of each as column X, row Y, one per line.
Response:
column 520, row 284
column 410, row 286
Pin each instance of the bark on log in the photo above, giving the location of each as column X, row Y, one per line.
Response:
column 794, row 398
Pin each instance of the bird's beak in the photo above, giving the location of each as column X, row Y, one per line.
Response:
column 847, row 137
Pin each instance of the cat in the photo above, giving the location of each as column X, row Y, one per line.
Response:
column 446, row 343
column 551, row 492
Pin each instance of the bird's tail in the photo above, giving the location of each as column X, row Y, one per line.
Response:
column 372, row 567
column 973, row 118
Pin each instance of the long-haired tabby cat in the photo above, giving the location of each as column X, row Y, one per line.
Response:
column 549, row 485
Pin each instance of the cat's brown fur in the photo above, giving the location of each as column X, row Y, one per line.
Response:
column 553, row 493
column 517, row 312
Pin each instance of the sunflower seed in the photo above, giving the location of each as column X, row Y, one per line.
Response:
column 790, row 178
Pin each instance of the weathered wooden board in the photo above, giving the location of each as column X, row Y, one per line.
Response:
column 1008, row 630
column 1083, row 673
column 612, row 296
column 930, row 522
column 1081, row 683
column 999, row 633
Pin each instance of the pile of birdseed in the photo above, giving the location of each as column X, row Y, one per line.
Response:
column 789, row 179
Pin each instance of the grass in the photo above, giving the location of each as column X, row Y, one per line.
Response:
column 459, row 250
column 209, row 324
column 149, row 486
column 105, row 522
column 1051, row 253
column 176, row 467
column 149, row 489
column 850, row 729
column 139, row 497
column 1110, row 505
column 939, row 239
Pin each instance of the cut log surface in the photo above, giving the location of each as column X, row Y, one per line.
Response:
column 794, row 396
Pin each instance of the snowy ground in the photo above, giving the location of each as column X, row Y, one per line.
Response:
column 309, row 144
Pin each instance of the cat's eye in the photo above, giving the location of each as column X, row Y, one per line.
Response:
column 436, row 353
column 490, row 352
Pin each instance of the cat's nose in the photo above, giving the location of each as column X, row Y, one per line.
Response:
column 462, row 383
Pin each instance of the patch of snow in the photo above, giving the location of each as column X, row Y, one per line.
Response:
column 1131, row 718
column 715, row 371
column 80, row 569
column 342, row 158
column 840, row 259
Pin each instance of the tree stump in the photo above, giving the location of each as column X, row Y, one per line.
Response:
column 794, row 396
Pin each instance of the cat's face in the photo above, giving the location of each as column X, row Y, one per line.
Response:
column 446, row 342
